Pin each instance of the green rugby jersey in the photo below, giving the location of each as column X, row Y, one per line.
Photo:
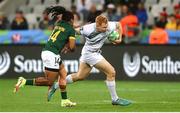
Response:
column 59, row 37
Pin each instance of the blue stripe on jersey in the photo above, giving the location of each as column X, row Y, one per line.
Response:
column 93, row 34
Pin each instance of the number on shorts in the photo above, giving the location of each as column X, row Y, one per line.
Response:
column 57, row 60
column 54, row 36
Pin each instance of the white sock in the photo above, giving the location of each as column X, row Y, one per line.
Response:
column 56, row 86
column 112, row 89
column 69, row 79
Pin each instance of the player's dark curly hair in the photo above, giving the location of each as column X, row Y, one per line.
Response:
column 58, row 10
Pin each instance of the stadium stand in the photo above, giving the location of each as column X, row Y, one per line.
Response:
column 32, row 20
column 33, row 10
column 175, row 2
column 33, row 2
column 165, row 2
column 49, row 2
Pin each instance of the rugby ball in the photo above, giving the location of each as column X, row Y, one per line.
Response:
column 113, row 36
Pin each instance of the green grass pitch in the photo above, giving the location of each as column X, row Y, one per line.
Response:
column 93, row 96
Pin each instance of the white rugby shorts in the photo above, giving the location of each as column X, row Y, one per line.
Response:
column 91, row 58
column 50, row 60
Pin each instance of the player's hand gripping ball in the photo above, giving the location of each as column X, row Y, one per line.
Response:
column 114, row 35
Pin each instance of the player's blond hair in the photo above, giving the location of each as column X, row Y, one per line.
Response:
column 101, row 19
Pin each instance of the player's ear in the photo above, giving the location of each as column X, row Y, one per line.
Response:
column 59, row 17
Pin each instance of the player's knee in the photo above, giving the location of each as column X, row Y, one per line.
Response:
column 112, row 73
column 62, row 81
column 62, row 87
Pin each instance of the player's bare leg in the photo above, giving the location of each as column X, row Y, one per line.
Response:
column 108, row 69
column 83, row 72
column 60, row 73
column 62, row 84
column 65, row 102
column 47, row 80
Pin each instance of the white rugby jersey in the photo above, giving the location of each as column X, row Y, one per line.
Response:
column 94, row 39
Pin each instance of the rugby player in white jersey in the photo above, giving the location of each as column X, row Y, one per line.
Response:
column 96, row 34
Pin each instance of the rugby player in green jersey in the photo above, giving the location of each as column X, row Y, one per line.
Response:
column 62, row 39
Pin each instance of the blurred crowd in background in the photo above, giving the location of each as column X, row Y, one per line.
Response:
column 134, row 16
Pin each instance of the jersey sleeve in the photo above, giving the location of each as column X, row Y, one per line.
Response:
column 87, row 29
column 112, row 26
column 83, row 30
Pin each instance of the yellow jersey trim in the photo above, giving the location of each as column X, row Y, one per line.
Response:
column 71, row 37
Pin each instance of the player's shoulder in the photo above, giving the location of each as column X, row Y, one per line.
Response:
column 66, row 26
column 92, row 26
column 89, row 28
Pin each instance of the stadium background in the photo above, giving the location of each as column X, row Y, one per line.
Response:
column 147, row 73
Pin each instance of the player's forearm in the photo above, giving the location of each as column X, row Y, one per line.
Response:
column 72, row 44
column 119, row 29
column 72, row 49
column 78, row 30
